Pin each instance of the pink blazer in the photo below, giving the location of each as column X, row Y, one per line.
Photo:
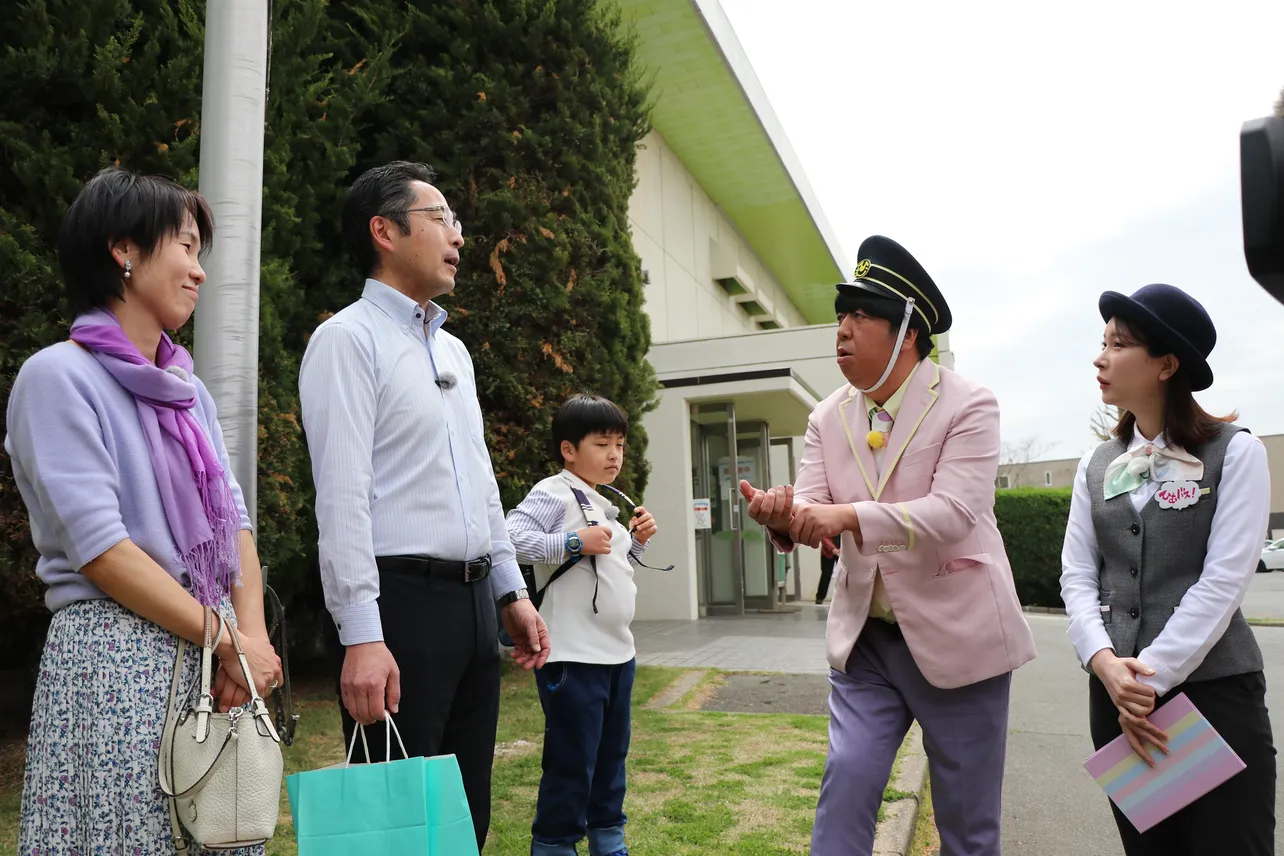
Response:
column 927, row 524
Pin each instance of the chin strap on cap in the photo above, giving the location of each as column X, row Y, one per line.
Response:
column 896, row 350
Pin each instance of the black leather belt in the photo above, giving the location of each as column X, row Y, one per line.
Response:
column 466, row 572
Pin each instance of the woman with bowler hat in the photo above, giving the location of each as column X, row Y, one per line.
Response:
column 1166, row 526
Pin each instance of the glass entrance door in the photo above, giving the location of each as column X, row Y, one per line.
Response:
column 757, row 554
column 713, row 437
column 736, row 562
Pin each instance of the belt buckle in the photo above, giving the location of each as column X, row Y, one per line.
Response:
column 477, row 569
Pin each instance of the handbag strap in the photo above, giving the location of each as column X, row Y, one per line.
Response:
column 166, row 760
column 203, row 709
column 204, row 705
column 283, row 696
column 205, row 702
column 258, row 707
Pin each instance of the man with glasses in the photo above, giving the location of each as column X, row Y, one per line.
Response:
column 413, row 549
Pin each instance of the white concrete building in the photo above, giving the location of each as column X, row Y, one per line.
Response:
column 740, row 267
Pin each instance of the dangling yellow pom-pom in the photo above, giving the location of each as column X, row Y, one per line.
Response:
column 875, row 439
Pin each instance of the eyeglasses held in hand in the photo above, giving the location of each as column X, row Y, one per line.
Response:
column 633, row 505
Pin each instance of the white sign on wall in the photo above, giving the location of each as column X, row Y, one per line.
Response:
column 703, row 519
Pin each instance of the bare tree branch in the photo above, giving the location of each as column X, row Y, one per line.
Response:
column 1016, row 456
column 1104, row 420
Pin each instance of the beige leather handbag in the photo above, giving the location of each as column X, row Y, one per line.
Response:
column 221, row 772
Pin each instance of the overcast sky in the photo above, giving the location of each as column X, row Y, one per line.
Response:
column 1032, row 156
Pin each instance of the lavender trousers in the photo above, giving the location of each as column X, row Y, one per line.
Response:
column 871, row 707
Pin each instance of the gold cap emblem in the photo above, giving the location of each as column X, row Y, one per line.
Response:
column 862, row 268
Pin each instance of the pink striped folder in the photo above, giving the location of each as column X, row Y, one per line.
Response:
column 1198, row 761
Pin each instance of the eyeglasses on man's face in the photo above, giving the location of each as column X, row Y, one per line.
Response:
column 441, row 214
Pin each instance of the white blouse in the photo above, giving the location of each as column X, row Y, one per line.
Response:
column 1234, row 549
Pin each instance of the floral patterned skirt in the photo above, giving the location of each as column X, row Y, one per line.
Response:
column 92, row 785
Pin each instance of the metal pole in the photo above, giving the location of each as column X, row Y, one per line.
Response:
column 227, row 318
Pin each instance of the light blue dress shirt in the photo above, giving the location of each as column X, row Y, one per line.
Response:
column 399, row 460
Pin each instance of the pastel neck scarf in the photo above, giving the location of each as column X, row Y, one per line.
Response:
column 1149, row 462
column 195, row 492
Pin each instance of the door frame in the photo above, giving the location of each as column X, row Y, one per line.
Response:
column 704, row 549
column 792, row 557
column 770, row 601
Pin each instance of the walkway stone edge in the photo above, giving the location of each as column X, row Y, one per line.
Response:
column 671, row 694
column 894, row 834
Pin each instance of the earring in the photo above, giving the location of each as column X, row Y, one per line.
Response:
column 129, row 266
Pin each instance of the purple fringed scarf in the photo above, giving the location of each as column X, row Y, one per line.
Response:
column 195, row 492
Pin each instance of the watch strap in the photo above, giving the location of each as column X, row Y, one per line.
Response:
column 513, row 597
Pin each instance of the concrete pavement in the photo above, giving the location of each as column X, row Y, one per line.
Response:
column 791, row 642
column 1265, row 598
column 1051, row 806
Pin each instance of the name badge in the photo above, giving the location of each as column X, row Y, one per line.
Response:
column 1177, row 494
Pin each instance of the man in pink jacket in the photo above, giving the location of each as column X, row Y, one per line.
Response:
column 925, row 623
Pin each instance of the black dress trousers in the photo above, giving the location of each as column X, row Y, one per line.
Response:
column 443, row 634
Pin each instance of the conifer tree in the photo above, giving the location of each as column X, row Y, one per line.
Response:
column 87, row 83
column 531, row 112
column 90, row 83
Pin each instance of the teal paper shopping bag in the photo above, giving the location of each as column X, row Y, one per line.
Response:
column 410, row 807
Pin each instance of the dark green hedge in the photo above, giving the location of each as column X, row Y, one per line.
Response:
column 1033, row 524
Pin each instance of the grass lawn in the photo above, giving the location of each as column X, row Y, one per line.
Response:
column 926, row 841
column 10, row 795
column 10, row 802
column 699, row 782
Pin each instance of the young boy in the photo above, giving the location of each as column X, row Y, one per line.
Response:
column 586, row 685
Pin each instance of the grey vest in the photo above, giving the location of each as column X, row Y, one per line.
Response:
column 1147, row 562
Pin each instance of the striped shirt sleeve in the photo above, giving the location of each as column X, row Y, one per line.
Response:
column 535, row 527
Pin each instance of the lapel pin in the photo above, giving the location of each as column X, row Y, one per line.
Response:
column 881, row 426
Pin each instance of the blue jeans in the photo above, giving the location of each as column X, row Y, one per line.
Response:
column 586, row 739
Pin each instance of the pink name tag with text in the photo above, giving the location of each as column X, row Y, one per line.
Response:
column 1177, row 494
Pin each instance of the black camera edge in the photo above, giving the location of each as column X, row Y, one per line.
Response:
column 1261, row 166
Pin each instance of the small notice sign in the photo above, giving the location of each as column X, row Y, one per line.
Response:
column 703, row 520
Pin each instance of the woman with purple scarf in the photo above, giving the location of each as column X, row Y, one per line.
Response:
column 139, row 522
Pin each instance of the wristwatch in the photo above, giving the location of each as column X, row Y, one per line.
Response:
column 573, row 543
column 513, row 597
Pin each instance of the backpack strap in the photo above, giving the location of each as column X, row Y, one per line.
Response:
column 590, row 515
column 537, row 593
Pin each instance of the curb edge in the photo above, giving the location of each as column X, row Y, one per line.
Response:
column 674, row 692
column 894, row 834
